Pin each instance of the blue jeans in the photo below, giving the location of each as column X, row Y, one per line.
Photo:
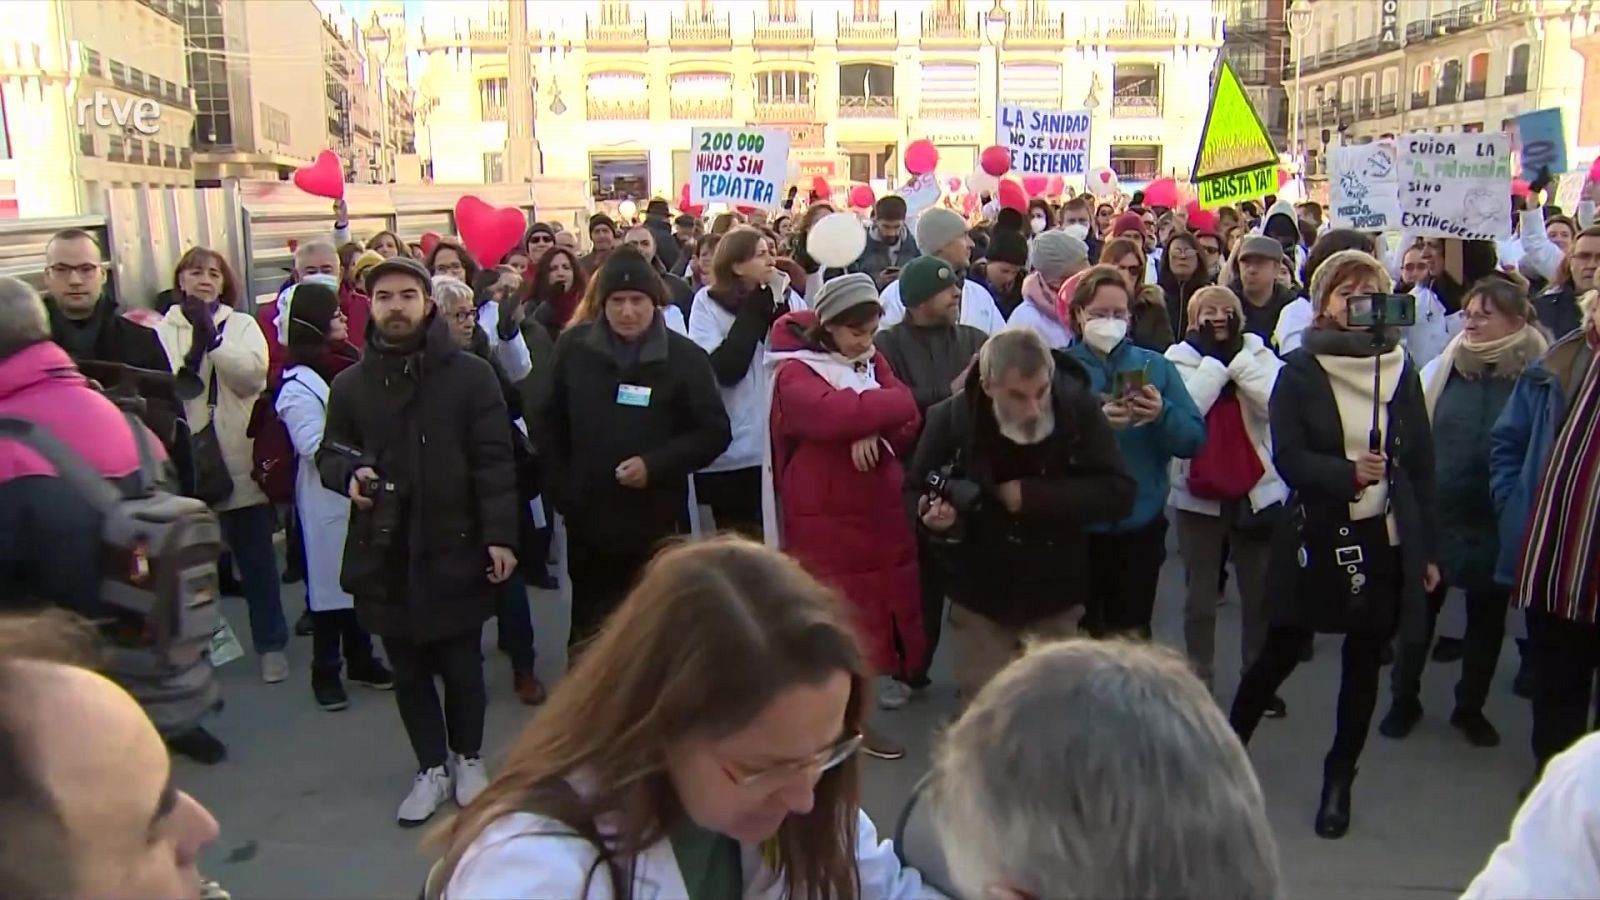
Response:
column 515, row 629
column 248, row 532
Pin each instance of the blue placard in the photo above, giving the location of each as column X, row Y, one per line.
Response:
column 1541, row 141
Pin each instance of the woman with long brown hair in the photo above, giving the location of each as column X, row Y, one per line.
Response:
column 1151, row 326
column 555, row 289
column 703, row 746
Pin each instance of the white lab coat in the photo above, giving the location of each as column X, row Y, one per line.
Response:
column 1293, row 320
column 324, row 515
column 1027, row 315
column 1427, row 339
column 512, row 355
column 1551, row 852
column 526, row 855
column 746, row 400
column 978, row 308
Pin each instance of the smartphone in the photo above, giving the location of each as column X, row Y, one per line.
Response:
column 1369, row 310
column 1129, row 382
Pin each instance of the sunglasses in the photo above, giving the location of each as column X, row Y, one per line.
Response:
column 541, row 239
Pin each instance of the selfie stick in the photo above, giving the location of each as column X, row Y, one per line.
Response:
column 1375, row 435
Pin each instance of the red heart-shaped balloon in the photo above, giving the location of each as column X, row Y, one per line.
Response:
column 1012, row 196
column 323, row 178
column 1035, row 184
column 430, row 240
column 488, row 232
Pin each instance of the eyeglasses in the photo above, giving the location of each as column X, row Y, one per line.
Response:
column 463, row 316
column 62, row 270
column 1181, row 252
column 541, row 239
column 823, row 761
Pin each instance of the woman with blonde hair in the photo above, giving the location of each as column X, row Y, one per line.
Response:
column 704, row 746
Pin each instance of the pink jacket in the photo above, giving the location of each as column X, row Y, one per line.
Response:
column 41, row 384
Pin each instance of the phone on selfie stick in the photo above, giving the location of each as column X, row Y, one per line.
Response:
column 1377, row 312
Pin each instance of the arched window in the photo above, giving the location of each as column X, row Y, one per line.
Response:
column 1517, row 68
column 1422, row 87
column 1477, row 86
column 1449, row 88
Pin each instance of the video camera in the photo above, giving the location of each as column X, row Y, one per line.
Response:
column 965, row 496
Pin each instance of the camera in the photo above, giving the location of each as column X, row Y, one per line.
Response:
column 1382, row 310
column 965, row 496
column 387, row 510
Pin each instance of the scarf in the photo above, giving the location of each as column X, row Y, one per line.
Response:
column 1504, row 358
column 79, row 337
column 563, row 305
column 1558, row 574
column 1036, row 292
column 1338, row 342
column 1350, row 378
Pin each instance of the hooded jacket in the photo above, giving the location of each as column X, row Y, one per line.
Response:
column 357, row 311
column 847, row 527
column 1008, row 567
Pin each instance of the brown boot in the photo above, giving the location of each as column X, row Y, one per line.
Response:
column 528, row 687
column 880, row 746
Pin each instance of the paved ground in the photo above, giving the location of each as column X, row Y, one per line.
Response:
column 307, row 799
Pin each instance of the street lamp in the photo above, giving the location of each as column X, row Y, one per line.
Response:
column 994, row 30
column 1299, row 21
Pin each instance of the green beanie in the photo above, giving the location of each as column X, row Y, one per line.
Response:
column 924, row 277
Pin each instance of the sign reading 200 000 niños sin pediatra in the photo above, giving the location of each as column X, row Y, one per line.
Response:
column 738, row 166
column 1456, row 186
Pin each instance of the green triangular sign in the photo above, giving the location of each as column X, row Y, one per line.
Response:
column 1236, row 160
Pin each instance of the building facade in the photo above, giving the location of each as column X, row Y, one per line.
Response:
column 93, row 95
column 1256, row 42
column 617, row 86
column 1376, row 68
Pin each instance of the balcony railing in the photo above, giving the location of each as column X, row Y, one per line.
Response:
column 1388, row 104
column 1036, row 31
column 626, row 34
column 1135, row 107
column 630, row 110
column 1329, row 111
column 785, row 110
column 796, row 32
column 1420, row 100
column 1368, row 107
column 493, row 113
column 947, row 29
column 1475, row 90
column 1252, row 75
column 948, row 109
column 1141, row 30
column 1419, row 31
column 1347, row 111
column 867, row 107
column 705, row 31
column 854, row 32
column 702, row 107
column 1517, row 84
column 1446, row 94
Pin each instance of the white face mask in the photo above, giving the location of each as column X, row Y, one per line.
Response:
column 1104, row 334
column 1038, row 224
column 1081, row 232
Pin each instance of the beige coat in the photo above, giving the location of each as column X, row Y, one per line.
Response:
column 240, row 364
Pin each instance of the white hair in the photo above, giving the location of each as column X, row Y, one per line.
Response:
column 305, row 250
column 447, row 289
column 23, row 319
column 1092, row 769
column 1021, row 349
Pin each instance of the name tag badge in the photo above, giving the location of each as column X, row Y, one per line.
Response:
column 633, row 395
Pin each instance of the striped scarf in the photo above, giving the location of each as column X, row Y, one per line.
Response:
column 1559, row 573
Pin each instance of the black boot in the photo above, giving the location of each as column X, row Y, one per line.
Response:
column 1333, row 814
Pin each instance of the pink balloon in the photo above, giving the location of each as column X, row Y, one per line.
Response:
column 922, row 157
column 1161, row 192
column 1057, row 186
column 323, row 178
column 995, row 160
column 953, row 185
column 1283, row 177
column 1594, row 170
column 489, row 232
column 1520, row 188
column 820, row 186
column 1035, row 184
column 861, row 196
column 969, row 202
column 1012, row 196
column 430, row 240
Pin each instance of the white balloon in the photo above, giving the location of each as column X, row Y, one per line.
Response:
column 837, row 240
column 628, row 209
column 1100, row 185
column 981, row 182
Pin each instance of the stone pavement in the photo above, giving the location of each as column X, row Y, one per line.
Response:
column 307, row 798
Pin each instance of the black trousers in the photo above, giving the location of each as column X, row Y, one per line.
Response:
column 734, row 497
column 1358, row 688
column 1486, row 630
column 331, row 631
column 935, row 587
column 1124, row 571
column 601, row 578
column 1565, row 655
column 433, row 731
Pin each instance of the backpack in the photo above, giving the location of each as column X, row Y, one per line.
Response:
column 158, row 585
column 272, row 456
column 1227, row 466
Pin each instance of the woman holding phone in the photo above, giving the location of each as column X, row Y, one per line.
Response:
column 1156, row 422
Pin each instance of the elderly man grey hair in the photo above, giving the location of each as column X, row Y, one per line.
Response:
column 23, row 319
column 1100, row 769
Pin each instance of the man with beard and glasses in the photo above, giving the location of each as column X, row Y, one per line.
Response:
column 417, row 438
column 889, row 243
column 1006, row 477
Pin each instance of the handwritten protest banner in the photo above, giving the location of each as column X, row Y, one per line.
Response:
column 1043, row 142
column 1364, row 192
column 1456, row 185
column 738, row 166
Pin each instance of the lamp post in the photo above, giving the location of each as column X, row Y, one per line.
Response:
column 1298, row 20
column 994, row 31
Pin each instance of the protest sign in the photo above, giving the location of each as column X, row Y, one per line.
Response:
column 1236, row 159
column 1364, row 192
column 738, row 166
column 1044, row 143
column 1541, row 142
column 1456, row 185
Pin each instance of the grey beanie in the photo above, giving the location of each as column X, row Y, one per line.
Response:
column 1055, row 253
column 844, row 293
column 937, row 227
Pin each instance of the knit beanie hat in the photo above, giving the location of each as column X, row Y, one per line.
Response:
column 538, row 228
column 1007, row 246
column 1128, row 221
column 598, row 219
column 1055, row 252
column 365, row 261
column 626, row 269
column 937, row 228
column 838, row 295
column 1322, row 279
column 924, row 277
column 400, row 265
column 310, row 310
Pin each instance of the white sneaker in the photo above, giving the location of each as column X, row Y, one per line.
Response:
column 471, row 779
column 428, row 793
column 274, row 667
column 894, row 694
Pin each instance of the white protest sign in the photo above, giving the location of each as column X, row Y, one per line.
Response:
column 1043, row 142
column 1456, row 185
column 1364, row 192
column 738, row 166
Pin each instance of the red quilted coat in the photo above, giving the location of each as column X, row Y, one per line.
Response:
column 848, row 528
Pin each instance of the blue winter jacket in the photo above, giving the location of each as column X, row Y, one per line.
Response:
column 1148, row 450
column 1519, row 445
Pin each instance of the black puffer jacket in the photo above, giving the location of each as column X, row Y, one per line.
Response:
column 434, row 422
